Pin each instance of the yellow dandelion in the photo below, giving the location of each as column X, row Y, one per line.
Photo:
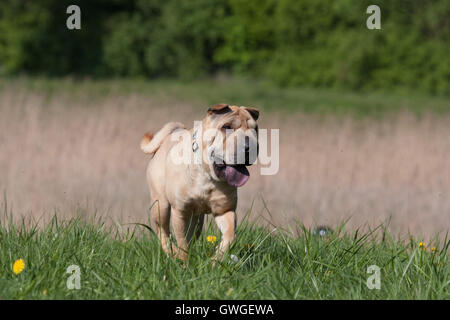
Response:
column 18, row 266
column 434, row 249
column 422, row 245
column 211, row 239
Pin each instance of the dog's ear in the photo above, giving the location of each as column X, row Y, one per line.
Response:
column 253, row 112
column 219, row 109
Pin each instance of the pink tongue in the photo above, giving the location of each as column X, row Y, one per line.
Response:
column 236, row 175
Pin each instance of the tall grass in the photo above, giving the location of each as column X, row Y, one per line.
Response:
column 126, row 262
column 67, row 145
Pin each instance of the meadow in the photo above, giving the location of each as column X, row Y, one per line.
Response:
column 72, row 146
column 372, row 167
column 122, row 262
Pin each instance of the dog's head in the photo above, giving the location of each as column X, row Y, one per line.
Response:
column 231, row 142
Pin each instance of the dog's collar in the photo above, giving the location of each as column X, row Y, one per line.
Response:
column 196, row 147
column 194, row 143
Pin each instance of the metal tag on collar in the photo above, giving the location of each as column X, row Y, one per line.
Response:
column 194, row 144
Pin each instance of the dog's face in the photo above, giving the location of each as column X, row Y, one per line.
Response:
column 231, row 142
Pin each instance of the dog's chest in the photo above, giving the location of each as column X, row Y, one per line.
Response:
column 210, row 199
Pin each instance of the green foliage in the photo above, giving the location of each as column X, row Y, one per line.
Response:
column 184, row 38
column 34, row 37
column 292, row 42
column 126, row 262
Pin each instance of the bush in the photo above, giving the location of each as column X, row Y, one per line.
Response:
column 294, row 42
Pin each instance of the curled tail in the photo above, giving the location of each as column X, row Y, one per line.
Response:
column 150, row 143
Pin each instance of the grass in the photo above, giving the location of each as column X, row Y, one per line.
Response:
column 240, row 91
column 126, row 262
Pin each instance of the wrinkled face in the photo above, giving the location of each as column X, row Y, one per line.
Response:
column 231, row 142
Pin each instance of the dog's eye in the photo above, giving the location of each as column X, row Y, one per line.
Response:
column 227, row 127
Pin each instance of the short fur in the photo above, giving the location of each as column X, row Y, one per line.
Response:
column 184, row 193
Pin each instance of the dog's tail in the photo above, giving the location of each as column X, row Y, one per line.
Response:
column 150, row 143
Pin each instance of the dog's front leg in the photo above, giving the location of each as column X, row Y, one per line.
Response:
column 227, row 225
column 180, row 226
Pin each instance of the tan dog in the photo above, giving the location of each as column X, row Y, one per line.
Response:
column 184, row 192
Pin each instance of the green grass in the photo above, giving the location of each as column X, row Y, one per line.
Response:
column 126, row 262
column 240, row 91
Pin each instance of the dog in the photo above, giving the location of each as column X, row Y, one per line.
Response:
column 183, row 192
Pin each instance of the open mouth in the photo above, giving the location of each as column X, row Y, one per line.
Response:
column 235, row 175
